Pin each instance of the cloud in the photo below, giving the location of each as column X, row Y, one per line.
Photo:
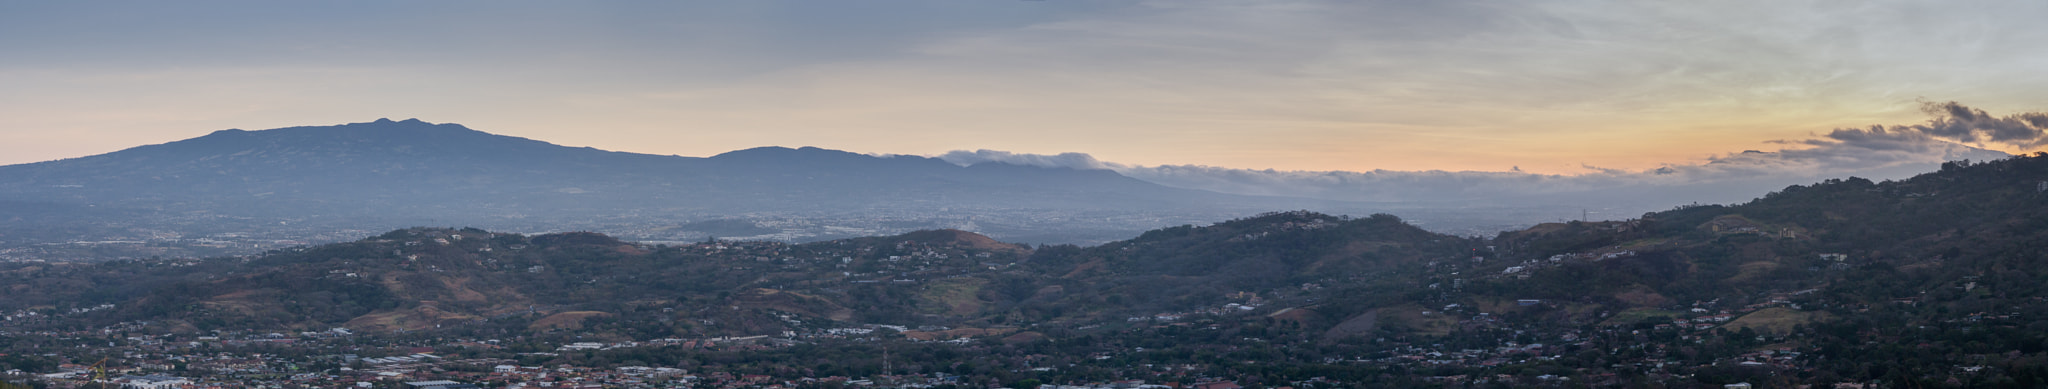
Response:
column 1954, row 122
column 1063, row 160
column 1316, row 84
column 1876, row 152
column 1298, row 84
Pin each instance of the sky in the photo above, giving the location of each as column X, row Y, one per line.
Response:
column 1552, row 88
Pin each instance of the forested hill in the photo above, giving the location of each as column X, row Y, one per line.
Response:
column 423, row 277
column 1967, row 220
column 1843, row 272
column 1856, row 241
column 1192, row 266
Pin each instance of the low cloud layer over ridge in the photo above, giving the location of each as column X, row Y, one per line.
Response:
column 1955, row 132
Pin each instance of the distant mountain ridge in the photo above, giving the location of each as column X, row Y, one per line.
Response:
column 387, row 174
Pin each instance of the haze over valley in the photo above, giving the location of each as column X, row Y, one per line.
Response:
column 1052, row 194
column 239, row 192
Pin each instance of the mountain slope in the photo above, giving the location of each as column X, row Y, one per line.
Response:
column 387, row 174
column 1837, row 245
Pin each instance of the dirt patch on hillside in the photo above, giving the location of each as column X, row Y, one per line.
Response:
column 957, row 297
column 1637, row 315
column 565, row 320
column 176, row 326
column 1024, row 337
column 1300, row 317
column 241, row 302
column 1085, row 269
column 1415, row 319
column 963, row 239
column 1359, row 325
column 417, row 318
column 459, row 289
column 1641, row 296
column 1754, row 270
column 1775, row 320
column 792, row 302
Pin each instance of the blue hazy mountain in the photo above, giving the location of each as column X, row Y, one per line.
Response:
column 386, row 174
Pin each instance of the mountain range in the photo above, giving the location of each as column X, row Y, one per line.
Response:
column 389, row 174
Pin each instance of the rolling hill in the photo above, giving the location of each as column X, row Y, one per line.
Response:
column 1843, row 280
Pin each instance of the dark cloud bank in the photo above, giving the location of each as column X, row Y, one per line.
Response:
column 1955, row 132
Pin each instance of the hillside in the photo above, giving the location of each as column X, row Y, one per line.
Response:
column 420, row 278
column 1842, row 281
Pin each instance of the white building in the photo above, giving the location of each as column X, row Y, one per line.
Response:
column 153, row 381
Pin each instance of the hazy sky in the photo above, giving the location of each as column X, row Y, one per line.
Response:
column 1548, row 86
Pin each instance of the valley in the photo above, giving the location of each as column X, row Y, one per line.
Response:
column 1931, row 280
